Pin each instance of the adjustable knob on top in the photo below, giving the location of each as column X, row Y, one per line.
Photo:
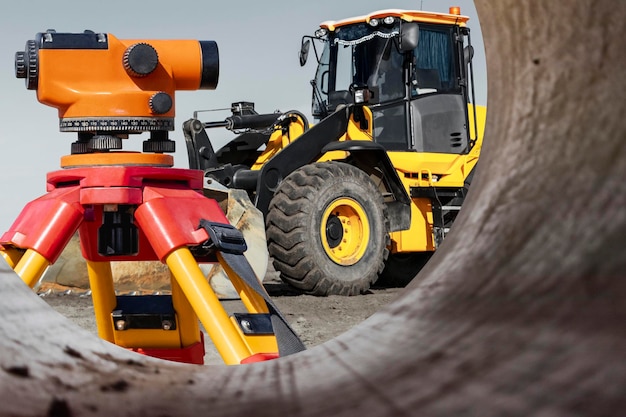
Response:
column 140, row 59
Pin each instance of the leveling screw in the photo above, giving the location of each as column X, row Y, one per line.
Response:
column 246, row 325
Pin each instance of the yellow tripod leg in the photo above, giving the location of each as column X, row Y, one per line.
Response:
column 253, row 301
column 255, row 304
column 12, row 256
column 207, row 306
column 188, row 327
column 31, row 267
column 103, row 297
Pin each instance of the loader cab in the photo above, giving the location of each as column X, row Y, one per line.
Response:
column 417, row 73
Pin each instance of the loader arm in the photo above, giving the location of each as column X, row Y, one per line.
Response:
column 199, row 149
column 308, row 148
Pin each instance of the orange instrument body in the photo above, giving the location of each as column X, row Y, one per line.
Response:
column 101, row 83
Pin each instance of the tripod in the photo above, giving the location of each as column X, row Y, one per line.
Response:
column 130, row 206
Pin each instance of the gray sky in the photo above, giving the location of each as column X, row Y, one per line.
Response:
column 258, row 43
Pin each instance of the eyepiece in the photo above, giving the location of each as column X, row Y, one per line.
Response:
column 20, row 64
column 27, row 65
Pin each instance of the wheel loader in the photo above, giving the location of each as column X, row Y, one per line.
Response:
column 368, row 191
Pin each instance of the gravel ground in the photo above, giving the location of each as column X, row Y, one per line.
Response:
column 315, row 319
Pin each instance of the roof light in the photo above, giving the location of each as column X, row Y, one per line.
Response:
column 320, row 33
column 455, row 10
column 374, row 22
column 388, row 20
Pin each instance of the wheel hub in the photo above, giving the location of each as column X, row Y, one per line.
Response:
column 345, row 231
column 334, row 231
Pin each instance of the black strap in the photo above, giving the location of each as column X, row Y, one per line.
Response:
column 229, row 241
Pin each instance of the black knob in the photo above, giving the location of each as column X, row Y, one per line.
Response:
column 159, row 146
column 20, row 64
column 140, row 59
column 27, row 65
column 160, row 103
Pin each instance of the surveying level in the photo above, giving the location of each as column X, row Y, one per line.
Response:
column 135, row 206
column 105, row 88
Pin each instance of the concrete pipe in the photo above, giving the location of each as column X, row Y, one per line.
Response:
column 521, row 312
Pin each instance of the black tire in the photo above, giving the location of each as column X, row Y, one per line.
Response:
column 401, row 268
column 342, row 201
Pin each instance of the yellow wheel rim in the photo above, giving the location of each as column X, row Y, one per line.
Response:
column 345, row 231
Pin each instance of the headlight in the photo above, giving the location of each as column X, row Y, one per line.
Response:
column 361, row 95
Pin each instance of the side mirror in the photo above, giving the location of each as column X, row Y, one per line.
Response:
column 409, row 36
column 304, row 51
column 468, row 54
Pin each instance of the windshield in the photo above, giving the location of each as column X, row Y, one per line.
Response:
column 359, row 54
column 320, row 85
column 365, row 55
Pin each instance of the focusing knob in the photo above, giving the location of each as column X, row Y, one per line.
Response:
column 27, row 65
column 160, row 103
column 140, row 59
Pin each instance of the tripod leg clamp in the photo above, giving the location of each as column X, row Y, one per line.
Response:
column 229, row 241
column 224, row 237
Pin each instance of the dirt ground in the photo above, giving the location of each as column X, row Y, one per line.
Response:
column 315, row 319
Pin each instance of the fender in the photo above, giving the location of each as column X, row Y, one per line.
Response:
column 372, row 158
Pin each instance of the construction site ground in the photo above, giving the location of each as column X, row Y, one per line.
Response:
column 315, row 319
